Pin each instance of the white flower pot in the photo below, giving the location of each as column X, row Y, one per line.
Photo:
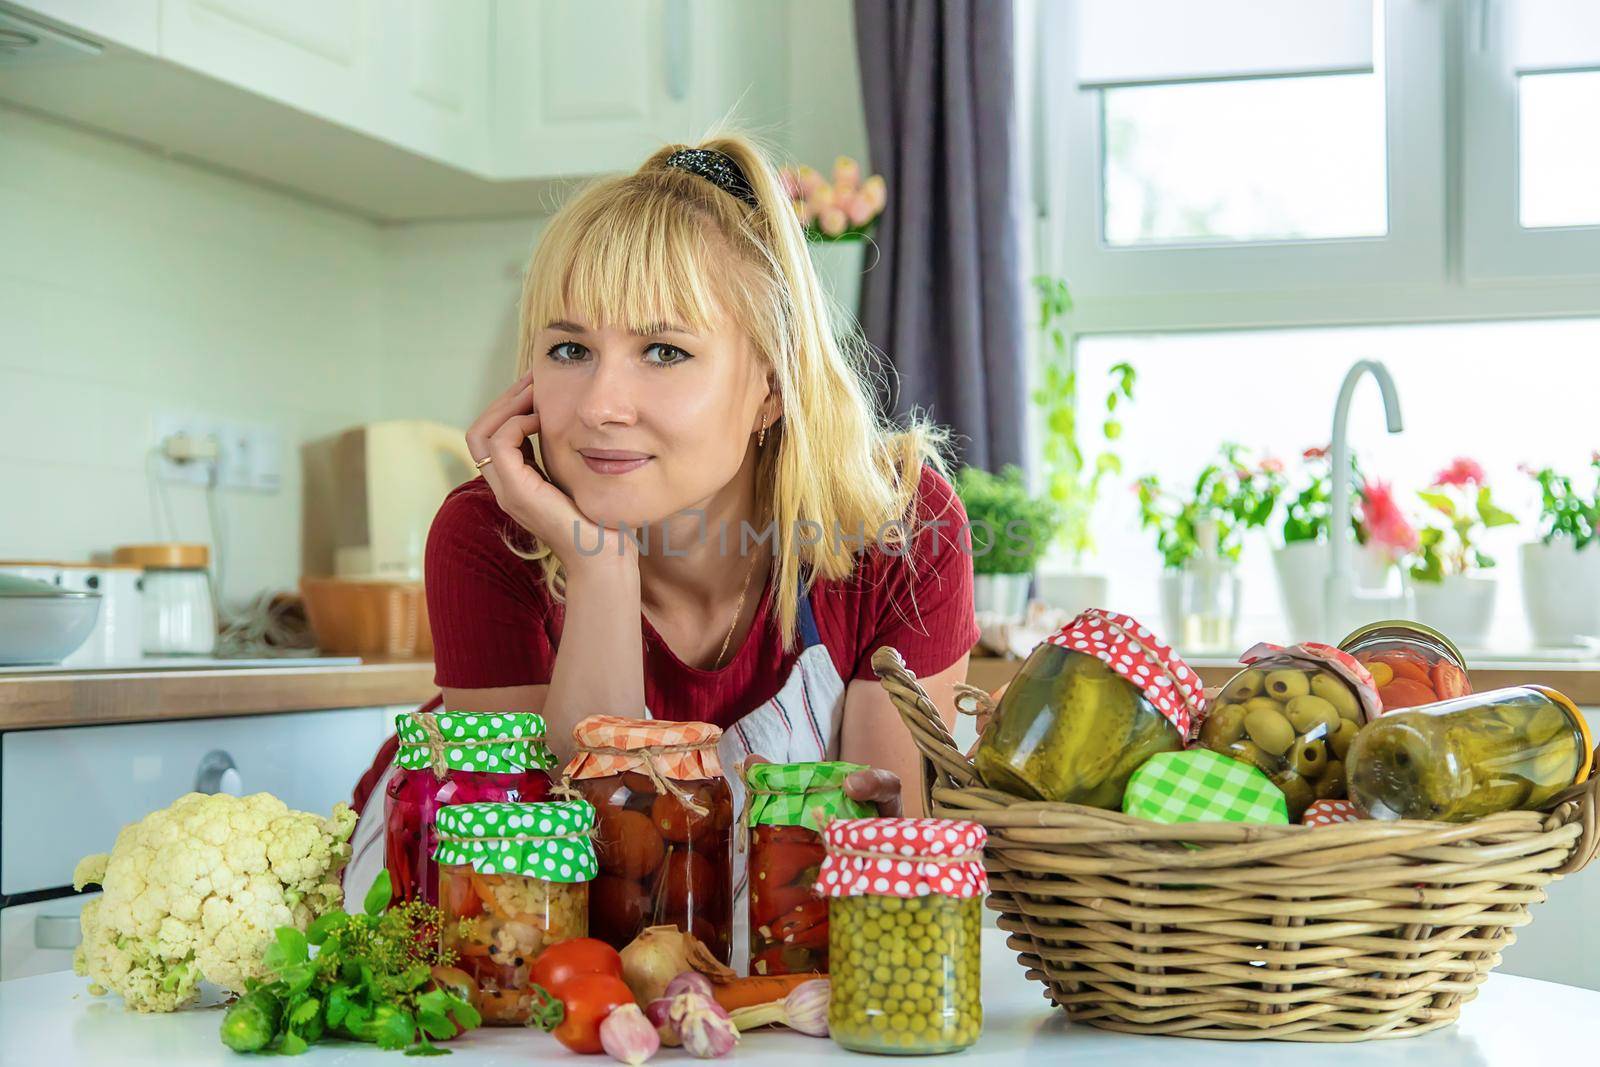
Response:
column 1461, row 607
column 1001, row 595
column 1561, row 592
column 1302, row 570
column 1071, row 592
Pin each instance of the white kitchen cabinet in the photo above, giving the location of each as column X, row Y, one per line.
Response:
column 130, row 23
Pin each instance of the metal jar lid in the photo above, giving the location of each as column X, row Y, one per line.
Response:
column 1402, row 628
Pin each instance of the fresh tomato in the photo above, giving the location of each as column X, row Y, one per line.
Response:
column 1449, row 681
column 566, row 960
column 587, row 999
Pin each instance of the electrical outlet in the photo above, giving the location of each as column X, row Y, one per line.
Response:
column 247, row 456
column 177, row 437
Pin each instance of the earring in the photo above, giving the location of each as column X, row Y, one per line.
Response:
column 761, row 438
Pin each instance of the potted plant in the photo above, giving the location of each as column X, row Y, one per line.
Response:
column 1073, row 477
column 1010, row 529
column 838, row 215
column 1561, row 571
column 1197, row 534
column 1452, row 595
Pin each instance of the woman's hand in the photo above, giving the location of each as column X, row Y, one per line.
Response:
column 871, row 786
column 523, row 493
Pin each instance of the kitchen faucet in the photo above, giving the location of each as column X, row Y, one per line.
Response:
column 1346, row 607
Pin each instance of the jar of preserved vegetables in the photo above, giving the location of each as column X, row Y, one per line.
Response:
column 906, row 897
column 663, row 828
column 1293, row 713
column 1504, row 750
column 513, row 878
column 788, row 803
column 1411, row 664
column 455, row 757
column 1090, row 704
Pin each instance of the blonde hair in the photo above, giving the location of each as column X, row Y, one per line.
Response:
column 656, row 246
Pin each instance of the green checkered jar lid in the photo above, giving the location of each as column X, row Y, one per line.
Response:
column 1199, row 785
column 493, row 742
column 549, row 841
column 802, row 794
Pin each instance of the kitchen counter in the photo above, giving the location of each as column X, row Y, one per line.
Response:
column 51, row 1019
column 53, row 697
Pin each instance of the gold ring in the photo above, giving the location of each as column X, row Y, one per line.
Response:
column 484, row 462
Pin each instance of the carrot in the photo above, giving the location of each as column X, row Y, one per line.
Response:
column 1403, row 666
column 757, row 989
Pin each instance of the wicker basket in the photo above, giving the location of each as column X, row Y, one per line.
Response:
column 1218, row 930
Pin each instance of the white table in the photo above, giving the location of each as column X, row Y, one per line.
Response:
column 51, row 1020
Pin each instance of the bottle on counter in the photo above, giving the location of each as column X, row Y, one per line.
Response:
column 906, row 897
column 1293, row 713
column 520, row 873
column 787, row 805
column 663, row 829
column 1457, row 760
column 455, row 757
column 1091, row 703
column 1411, row 664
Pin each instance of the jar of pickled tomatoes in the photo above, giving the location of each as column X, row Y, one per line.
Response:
column 1411, row 664
column 455, row 757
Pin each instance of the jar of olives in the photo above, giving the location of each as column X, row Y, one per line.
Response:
column 1457, row 760
column 1293, row 713
column 1411, row 664
column 787, row 804
column 906, row 898
column 455, row 757
column 513, row 878
column 663, row 828
column 1091, row 703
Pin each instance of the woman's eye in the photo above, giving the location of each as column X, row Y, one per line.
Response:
column 665, row 355
column 567, row 352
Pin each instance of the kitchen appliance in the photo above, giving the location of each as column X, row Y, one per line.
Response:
column 371, row 493
column 80, row 785
column 180, row 616
column 118, row 632
column 42, row 623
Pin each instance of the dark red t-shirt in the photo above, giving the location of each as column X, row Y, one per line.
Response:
column 494, row 624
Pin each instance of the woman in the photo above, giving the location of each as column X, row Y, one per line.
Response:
column 714, row 526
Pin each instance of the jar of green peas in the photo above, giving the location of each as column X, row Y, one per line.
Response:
column 905, row 913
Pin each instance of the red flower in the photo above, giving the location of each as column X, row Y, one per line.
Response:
column 1386, row 524
column 1462, row 472
column 1315, row 453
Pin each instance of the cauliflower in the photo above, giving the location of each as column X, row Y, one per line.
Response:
column 195, row 891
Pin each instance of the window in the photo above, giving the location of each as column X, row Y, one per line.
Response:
column 1559, row 151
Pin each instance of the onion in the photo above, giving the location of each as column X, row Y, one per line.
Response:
column 652, row 960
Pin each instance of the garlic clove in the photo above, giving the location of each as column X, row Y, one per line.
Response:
column 627, row 1036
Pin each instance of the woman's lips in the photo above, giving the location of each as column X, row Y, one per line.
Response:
column 611, row 461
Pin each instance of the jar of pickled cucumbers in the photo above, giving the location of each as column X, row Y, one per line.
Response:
column 788, row 803
column 1411, row 664
column 513, row 878
column 455, row 757
column 1457, row 760
column 1091, row 703
column 906, row 898
column 1293, row 713
column 663, row 830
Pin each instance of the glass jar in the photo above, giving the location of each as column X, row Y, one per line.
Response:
column 1293, row 713
column 905, row 935
column 663, row 828
column 455, row 757
column 1457, row 760
column 1411, row 664
column 787, row 804
column 1090, row 704
column 513, row 878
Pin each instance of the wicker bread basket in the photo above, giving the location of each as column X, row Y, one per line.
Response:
column 1219, row 930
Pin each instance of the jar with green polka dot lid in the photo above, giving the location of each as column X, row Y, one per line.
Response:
column 455, row 757
column 513, row 878
column 904, row 914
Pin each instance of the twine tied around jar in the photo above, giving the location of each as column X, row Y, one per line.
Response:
column 647, row 757
column 436, row 742
column 954, row 858
column 467, row 840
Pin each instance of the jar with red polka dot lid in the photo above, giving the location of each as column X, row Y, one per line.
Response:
column 1091, row 703
column 904, row 912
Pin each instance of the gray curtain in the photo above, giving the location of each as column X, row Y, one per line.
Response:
column 943, row 300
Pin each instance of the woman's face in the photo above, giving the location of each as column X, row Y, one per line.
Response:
column 639, row 426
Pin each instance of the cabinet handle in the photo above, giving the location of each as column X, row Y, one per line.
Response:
column 675, row 47
column 57, row 932
column 218, row 774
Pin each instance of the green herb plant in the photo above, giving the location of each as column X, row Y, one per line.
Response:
column 1236, row 493
column 370, row 979
column 1452, row 546
column 1010, row 527
column 1308, row 510
column 1074, row 481
column 1565, row 512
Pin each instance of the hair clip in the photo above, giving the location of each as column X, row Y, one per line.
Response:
column 718, row 168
